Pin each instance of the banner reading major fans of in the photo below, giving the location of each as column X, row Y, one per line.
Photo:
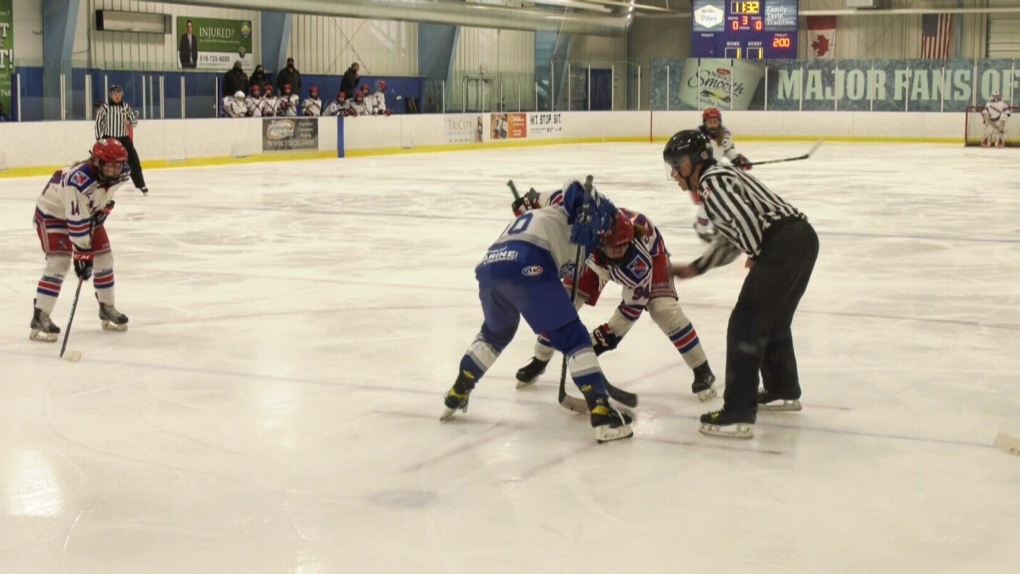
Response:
column 822, row 36
column 218, row 43
column 6, row 56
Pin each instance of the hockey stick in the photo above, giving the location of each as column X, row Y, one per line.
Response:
column 813, row 149
column 1007, row 444
column 577, row 405
column 73, row 355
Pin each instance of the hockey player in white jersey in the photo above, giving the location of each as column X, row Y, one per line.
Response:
column 995, row 114
column 269, row 103
column 312, row 106
column 234, row 106
column 634, row 255
column 722, row 144
column 254, row 102
column 287, row 104
column 520, row 276
column 69, row 220
column 377, row 99
column 341, row 106
column 358, row 107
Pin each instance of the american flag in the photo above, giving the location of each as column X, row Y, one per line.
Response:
column 935, row 32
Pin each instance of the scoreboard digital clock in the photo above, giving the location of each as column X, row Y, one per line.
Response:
column 744, row 30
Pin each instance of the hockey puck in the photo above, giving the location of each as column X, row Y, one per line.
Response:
column 72, row 356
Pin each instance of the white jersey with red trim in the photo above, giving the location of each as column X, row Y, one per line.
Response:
column 724, row 149
column 997, row 110
column 73, row 195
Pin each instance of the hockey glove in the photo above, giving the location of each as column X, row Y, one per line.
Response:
column 603, row 339
column 527, row 203
column 83, row 263
column 742, row 163
column 586, row 235
column 99, row 217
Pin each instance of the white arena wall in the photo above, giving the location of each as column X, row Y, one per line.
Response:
column 39, row 147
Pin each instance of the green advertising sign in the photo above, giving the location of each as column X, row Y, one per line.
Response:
column 6, row 56
column 212, row 43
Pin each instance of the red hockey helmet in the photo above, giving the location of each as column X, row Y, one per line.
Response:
column 711, row 113
column 256, row 89
column 617, row 240
column 313, row 91
column 108, row 158
column 287, row 88
column 269, row 89
column 382, row 85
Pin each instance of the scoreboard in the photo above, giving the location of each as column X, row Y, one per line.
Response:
column 744, row 30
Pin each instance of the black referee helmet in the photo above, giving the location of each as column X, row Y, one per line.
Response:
column 690, row 143
column 115, row 88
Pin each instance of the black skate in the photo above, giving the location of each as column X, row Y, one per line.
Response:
column 703, row 380
column 609, row 423
column 528, row 374
column 728, row 424
column 43, row 328
column 113, row 320
column 457, row 397
column 769, row 401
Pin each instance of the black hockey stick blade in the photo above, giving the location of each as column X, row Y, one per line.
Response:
column 621, row 396
column 811, row 151
column 513, row 190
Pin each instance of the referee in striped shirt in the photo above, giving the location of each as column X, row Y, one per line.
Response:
column 115, row 120
column 782, row 248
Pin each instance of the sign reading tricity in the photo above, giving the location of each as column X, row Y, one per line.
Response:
column 744, row 30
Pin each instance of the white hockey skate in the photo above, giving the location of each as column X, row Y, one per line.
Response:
column 43, row 329
column 113, row 320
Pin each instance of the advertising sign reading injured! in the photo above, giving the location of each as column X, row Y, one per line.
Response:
column 214, row 43
column 283, row 134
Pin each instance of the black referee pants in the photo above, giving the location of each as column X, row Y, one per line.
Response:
column 133, row 161
column 759, row 337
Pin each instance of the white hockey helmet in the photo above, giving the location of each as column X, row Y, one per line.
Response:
column 239, row 95
column 996, row 96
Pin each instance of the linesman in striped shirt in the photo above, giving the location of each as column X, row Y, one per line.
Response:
column 781, row 247
column 115, row 119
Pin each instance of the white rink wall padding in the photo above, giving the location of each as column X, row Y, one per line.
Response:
column 274, row 405
column 42, row 146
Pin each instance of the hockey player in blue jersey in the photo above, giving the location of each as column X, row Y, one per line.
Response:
column 634, row 255
column 520, row 276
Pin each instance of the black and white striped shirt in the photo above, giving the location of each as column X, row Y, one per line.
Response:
column 112, row 120
column 741, row 208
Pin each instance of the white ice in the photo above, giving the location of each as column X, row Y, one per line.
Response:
column 274, row 406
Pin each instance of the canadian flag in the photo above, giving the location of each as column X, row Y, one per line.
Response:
column 822, row 36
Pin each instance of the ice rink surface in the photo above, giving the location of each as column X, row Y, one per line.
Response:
column 293, row 327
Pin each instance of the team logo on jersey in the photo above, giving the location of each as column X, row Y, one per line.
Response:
column 532, row 270
column 638, row 267
column 78, row 179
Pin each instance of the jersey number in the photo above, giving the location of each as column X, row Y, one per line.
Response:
column 520, row 224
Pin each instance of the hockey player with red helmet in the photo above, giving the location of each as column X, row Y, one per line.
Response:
column 69, row 220
column 722, row 142
column 633, row 254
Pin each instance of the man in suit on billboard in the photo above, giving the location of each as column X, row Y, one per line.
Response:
column 188, row 50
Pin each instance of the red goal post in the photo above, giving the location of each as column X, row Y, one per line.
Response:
column 974, row 127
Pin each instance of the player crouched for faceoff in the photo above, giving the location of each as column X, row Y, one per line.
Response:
column 633, row 254
column 782, row 248
column 520, row 275
column 722, row 144
column 69, row 219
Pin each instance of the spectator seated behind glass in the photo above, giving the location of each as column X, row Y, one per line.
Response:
column 287, row 103
column 269, row 103
column 312, row 106
column 254, row 102
column 234, row 106
column 378, row 99
column 341, row 106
